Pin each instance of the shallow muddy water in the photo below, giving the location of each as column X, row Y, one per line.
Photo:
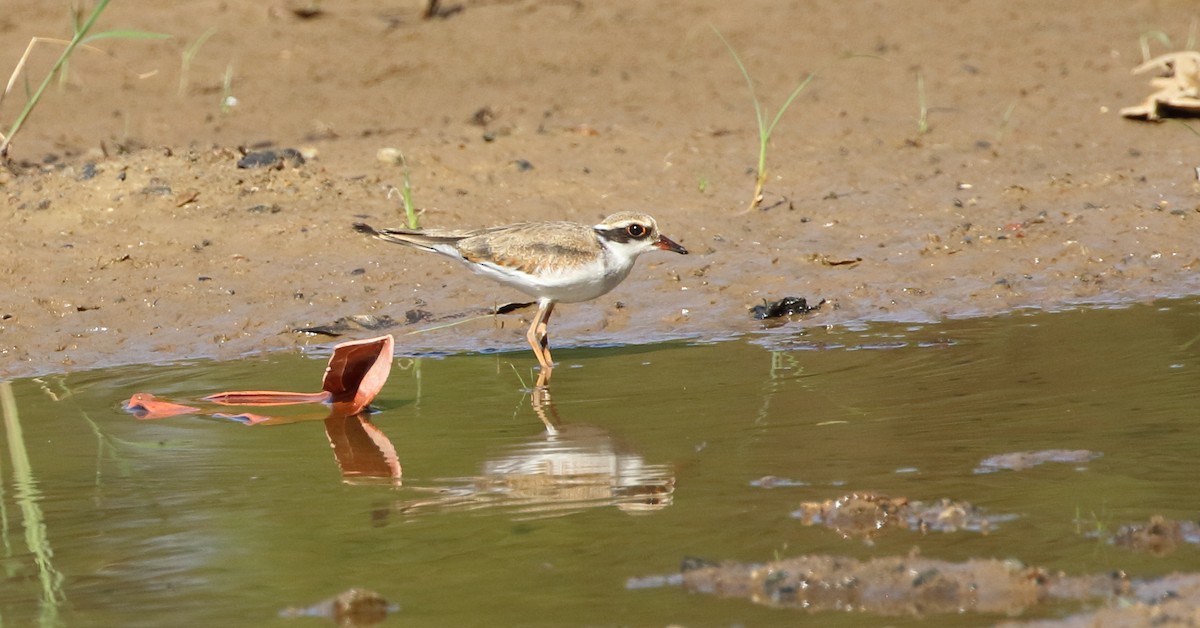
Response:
column 662, row 452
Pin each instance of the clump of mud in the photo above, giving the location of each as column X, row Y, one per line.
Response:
column 896, row 585
column 1159, row 536
column 869, row 515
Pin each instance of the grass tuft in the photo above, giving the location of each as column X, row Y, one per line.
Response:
column 81, row 38
column 922, row 106
column 1144, row 41
column 410, row 211
column 765, row 128
column 228, row 100
column 188, row 55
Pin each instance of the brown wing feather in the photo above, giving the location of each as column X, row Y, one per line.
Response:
column 528, row 246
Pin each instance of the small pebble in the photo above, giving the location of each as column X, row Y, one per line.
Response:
column 390, row 155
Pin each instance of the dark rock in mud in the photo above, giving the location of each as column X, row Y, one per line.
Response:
column 88, row 171
column 483, row 116
column 786, row 306
column 342, row 325
column 271, row 159
column 416, row 316
column 157, row 187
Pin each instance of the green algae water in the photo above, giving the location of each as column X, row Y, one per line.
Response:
column 456, row 504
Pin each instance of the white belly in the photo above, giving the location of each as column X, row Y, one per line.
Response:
column 569, row 285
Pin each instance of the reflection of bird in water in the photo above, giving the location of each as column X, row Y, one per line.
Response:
column 576, row 468
column 552, row 261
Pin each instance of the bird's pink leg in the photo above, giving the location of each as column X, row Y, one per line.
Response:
column 539, row 339
column 544, row 332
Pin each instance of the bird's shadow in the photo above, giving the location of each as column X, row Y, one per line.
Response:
column 374, row 323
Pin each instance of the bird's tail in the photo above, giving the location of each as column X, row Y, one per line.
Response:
column 429, row 239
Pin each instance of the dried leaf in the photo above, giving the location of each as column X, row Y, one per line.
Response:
column 146, row 406
column 357, row 372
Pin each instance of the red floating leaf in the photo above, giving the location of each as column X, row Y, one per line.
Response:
column 266, row 398
column 145, row 406
column 357, row 372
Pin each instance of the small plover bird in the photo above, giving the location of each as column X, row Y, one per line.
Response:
column 554, row 262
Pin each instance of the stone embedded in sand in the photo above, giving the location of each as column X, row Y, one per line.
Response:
column 272, row 159
column 390, row 155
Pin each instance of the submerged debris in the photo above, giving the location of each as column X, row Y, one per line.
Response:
column 895, row 585
column 774, row 481
column 351, row 608
column 787, row 306
column 1159, row 536
column 1168, row 601
column 868, row 515
column 916, row 586
column 1021, row 460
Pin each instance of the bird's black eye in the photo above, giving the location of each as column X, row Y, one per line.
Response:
column 635, row 230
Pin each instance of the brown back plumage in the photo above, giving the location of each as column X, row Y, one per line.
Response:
column 525, row 246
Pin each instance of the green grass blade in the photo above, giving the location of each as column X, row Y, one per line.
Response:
column 188, row 55
column 758, row 111
column 788, row 103
column 1186, row 126
column 760, row 115
column 124, row 35
column 81, row 37
column 410, row 211
column 1144, row 42
column 80, row 33
column 33, row 520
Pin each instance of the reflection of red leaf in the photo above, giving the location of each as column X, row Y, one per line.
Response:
column 266, row 398
column 357, row 372
column 246, row 418
column 361, row 449
column 145, row 407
